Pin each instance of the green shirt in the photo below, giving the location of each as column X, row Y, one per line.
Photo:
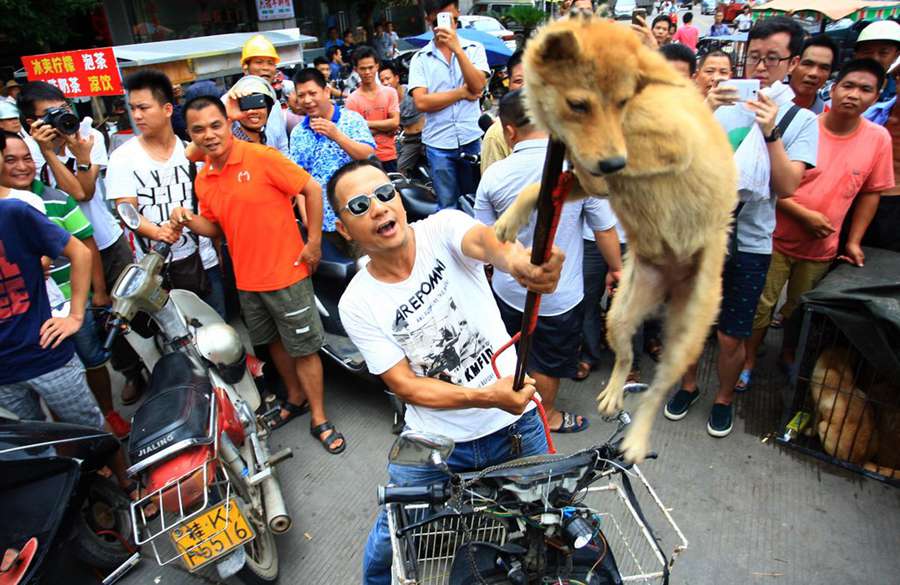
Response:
column 64, row 212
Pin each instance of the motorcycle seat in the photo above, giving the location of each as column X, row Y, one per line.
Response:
column 334, row 265
column 177, row 410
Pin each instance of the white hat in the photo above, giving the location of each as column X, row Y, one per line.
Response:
column 882, row 30
column 8, row 110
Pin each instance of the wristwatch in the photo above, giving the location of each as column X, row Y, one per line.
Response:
column 83, row 168
column 774, row 135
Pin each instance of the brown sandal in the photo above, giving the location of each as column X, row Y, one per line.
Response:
column 584, row 370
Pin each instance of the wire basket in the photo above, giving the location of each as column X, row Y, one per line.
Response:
column 424, row 556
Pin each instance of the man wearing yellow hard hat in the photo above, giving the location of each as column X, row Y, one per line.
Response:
column 259, row 57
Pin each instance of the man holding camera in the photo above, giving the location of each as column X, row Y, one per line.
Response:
column 446, row 79
column 260, row 58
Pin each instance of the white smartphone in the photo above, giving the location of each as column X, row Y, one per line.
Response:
column 747, row 89
column 445, row 20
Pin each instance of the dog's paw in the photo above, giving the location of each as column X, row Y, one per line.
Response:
column 507, row 227
column 636, row 444
column 610, row 401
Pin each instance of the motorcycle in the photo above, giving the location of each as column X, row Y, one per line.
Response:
column 209, row 490
column 542, row 519
column 336, row 270
column 57, row 510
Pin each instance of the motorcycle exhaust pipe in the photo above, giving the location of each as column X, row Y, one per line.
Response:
column 276, row 513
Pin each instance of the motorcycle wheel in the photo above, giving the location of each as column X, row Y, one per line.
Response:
column 261, row 564
column 105, row 509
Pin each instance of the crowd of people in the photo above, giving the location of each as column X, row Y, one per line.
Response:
column 223, row 176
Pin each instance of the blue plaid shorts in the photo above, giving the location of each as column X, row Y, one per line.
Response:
column 65, row 391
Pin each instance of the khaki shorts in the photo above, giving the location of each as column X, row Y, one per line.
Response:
column 289, row 313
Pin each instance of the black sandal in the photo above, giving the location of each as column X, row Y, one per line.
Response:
column 331, row 439
column 294, row 410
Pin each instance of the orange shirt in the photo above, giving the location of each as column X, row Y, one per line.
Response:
column 859, row 162
column 251, row 199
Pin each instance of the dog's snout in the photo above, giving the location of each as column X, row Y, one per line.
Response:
column 611, row 165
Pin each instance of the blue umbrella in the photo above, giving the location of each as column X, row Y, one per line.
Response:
column 497, row 52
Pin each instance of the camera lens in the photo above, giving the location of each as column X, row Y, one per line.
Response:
column 62, row 120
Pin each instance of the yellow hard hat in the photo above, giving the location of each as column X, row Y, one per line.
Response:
column 258, row 46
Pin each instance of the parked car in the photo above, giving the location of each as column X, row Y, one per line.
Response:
column 491, row 26
column 624, row 8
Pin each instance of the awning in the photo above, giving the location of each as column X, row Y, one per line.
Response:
column 831, row 9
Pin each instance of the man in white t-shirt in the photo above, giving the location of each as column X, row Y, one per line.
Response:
column 556, row 341
column 152, row 172
column 423, row 316
column 75, row 165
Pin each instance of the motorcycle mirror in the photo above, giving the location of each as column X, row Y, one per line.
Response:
column 418, row 449
column 129, row 215
column 396, row 177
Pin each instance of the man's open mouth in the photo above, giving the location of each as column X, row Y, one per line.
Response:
column 386, row 228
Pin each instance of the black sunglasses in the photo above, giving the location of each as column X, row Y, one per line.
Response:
column 360, row 204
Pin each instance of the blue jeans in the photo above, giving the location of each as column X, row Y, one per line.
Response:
column 89, row 341
column 451, row 176
column 468, row 456
column 216, row 296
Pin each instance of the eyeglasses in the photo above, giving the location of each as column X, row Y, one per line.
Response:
column 771, row 61
column 359, row 204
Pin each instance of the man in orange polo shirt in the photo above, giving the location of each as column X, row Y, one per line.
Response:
column 246, row 192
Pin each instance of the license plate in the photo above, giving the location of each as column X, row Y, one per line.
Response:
column 211, row 535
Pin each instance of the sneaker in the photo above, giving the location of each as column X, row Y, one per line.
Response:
column 120, row 427
column 677, row 407
column 721, row 420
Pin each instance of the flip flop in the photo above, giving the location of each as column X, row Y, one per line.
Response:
column 294, row 410
column 743, row 383
column 777, row 321
column 151, row 508
column 570, row 423
column 584, row 370
column 331, row 439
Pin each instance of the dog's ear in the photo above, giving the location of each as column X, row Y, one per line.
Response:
column 559, row 46
column 653, row 68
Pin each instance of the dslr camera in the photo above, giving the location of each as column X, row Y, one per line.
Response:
column 64, row 121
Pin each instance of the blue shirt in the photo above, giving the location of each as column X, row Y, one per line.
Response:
column 457, row 124
column 25, row 236
column 322, row 156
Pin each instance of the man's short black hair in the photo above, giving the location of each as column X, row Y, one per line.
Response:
column 364, row 52
column 332, row 28
column 351, row 166
column 157, row 82
column 688, row 17
column 330, row 51
column 389, row 66
column 6, row 136
column 514, row 59
column 715, row 53
column 661, row 18
column 826, row 42
column 33, row 92
column 512, row 110
column 767, row 27
column 868, row 65
column 320, row 60
column 438, row 5
column 201, row 102
column 679, row 52
column 310, row 74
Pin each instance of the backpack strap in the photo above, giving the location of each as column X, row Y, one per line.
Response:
column 788, row 118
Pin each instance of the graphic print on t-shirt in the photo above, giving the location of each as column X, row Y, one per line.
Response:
column 438, row 339
column 159, row 191
column 13, row 291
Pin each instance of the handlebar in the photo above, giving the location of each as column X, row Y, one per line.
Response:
column 115, row 326
column 436, row 493
column 162, row 249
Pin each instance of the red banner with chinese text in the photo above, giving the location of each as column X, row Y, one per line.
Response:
column 84, row 73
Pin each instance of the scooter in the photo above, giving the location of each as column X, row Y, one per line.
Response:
column 210, row 494
column 336, row 270
column 58, row 511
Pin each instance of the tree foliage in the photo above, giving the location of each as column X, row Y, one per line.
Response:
column 41, row 24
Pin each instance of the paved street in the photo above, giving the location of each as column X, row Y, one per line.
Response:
column 754, row 512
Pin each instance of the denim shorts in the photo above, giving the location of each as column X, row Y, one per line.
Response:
column 89, row 340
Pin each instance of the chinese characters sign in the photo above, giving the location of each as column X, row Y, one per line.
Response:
column 82, row 73
column 274, row 9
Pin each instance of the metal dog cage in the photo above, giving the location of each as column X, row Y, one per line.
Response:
column 842, row 408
